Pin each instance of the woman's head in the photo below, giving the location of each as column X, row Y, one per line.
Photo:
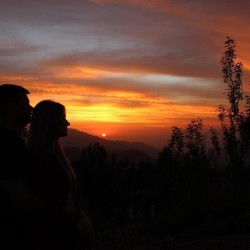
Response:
column 49, row 120
column 48, row 123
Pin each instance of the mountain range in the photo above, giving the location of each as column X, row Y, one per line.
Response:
column 136, row 151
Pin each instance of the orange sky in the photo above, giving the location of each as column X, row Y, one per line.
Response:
column 130, row 69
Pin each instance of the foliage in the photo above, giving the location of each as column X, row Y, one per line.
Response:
column 189, row 185
column 233, row 119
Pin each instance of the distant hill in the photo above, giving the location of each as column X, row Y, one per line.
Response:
column 77, row 140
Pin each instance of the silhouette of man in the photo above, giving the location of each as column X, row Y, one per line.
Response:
column 15, row 112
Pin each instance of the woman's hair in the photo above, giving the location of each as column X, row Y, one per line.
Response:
column 43, row 139
column 45, row 117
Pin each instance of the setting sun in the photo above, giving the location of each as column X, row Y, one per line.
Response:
column 104, row 134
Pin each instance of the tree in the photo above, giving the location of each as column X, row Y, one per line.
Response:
column 195, row 139
column 176, row 142
column 231, row 117
column 215, row 150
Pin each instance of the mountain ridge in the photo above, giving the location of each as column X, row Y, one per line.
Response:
column 79, row 139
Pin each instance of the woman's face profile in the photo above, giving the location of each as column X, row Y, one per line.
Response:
column 62, row 128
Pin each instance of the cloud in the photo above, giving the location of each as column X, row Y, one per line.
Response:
column 135, row 58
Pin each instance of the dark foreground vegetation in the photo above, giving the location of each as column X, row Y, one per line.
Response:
column 195, row 196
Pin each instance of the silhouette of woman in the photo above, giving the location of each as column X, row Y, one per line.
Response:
column 54, row 180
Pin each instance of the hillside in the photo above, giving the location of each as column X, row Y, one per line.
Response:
column 76, row 140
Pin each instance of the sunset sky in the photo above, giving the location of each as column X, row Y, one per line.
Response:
column 129, row 68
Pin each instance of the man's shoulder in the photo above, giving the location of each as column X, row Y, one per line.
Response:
column 13, row 158
column 7, row 133
column 9, row 137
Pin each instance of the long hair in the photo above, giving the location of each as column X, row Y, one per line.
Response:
column 43, row 139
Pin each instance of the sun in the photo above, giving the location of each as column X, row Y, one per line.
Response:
column 104, row 134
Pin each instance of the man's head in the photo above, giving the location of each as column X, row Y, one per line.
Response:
column 14, row 105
